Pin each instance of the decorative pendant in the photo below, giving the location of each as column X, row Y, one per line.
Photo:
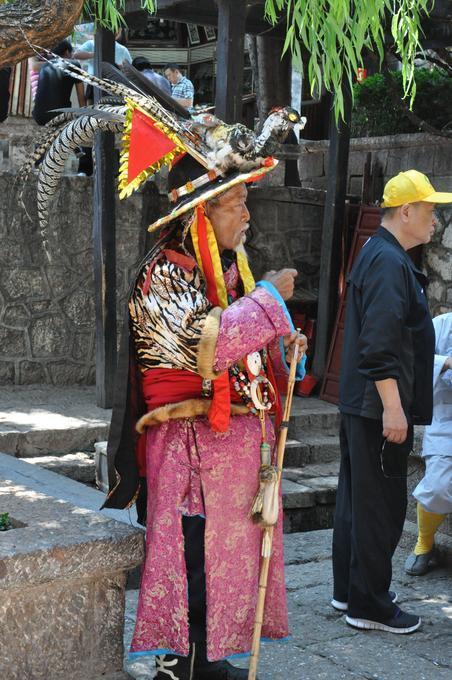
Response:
column 254, row 363
column 259, row 393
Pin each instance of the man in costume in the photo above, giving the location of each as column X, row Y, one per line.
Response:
column 385, row 388
column 195, row 377
column 202, row 332
column 434, row 491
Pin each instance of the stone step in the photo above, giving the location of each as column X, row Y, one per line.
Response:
column 312, row 416
column 309, row 496
column 313, row 448
column 38, row 420
column 79, row 466
column 34, row 443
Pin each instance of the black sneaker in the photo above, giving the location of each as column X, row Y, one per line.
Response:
column 343, row 606
column 215, row 670
column 400, row 623
column 174, row 667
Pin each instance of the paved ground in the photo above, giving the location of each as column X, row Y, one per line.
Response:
column 323, row 647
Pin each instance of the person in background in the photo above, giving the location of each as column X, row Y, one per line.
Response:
column 143, row 65
column 385, row 388
column 35, row 65
column 86, row 52
column 55, row 87
column 181, row 87
column 434, row 491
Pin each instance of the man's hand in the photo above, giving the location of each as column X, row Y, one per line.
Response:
column 395, row 425
column 283, row 280
column 295, row 339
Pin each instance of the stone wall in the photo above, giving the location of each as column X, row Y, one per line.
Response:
column 286, row 224
column 428, row 154
column 47, row 329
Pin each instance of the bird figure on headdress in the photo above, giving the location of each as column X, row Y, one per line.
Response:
column 235, row 147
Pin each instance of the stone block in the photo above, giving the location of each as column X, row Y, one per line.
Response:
column 32, row 373
column 78, row 466
column 443, row 183
column 355, row 185
column 311, row 165
column 79, row 307
column 6, row 372
column 314, row 183
column 50, row 337
column 62, row 589
column 12, row 342
column 16, row 316
column 443, row 158
column 19, row 283
column 406, row 158
column 101, row 466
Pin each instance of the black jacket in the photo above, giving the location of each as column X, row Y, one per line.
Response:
column 388, row 332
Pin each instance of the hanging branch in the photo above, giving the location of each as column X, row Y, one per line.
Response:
column 402, row 104
column 335, row 33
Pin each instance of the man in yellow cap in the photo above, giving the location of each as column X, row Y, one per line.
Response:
column 385, row 389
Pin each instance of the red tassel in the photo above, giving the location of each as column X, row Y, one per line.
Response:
column 219, row 413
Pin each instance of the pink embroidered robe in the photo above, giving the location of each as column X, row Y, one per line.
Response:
column 193, row 470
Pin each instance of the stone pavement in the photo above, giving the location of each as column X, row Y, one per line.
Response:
column 323, row 647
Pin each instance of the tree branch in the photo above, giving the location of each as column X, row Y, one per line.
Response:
column 42, row 22
column 415, row 119
column 437, row 61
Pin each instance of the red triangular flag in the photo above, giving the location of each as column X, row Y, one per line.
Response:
column 147, row 144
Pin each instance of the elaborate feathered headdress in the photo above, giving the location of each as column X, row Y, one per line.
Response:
column 156, row 131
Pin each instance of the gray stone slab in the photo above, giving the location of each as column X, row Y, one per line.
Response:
column 39, row 420
column 59, row 540
column 62, row 582
column 45, row 481
column 296, row 496
column 79, row 466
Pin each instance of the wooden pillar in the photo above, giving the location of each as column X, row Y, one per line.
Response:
column 230, row 60
column 104, row 239
column 333, row 222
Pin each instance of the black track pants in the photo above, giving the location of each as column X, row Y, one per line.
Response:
column 193, row 528
column 370, row 512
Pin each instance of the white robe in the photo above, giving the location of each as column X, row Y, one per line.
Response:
column 434, row 491
column 438, row 435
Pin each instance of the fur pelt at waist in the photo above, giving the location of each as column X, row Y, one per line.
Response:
column 190, row 408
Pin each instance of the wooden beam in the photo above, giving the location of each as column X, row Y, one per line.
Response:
column 230, row 59
column 333, row 222
column 104, row 245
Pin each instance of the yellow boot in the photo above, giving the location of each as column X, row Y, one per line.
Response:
column 428, row 523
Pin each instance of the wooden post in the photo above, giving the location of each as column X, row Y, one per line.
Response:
column 333, row 220
column 104, row 239
column 230, row 60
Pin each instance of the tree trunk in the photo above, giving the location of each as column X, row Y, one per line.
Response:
column 274, row 71
column 41, row 22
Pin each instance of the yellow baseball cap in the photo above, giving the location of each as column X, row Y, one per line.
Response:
column 409, row 187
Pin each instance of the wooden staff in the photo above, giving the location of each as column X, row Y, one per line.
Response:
column 267, row 539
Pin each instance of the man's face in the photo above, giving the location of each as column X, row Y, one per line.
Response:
column 420, row 221
column 172, row 76
column 230, row 217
